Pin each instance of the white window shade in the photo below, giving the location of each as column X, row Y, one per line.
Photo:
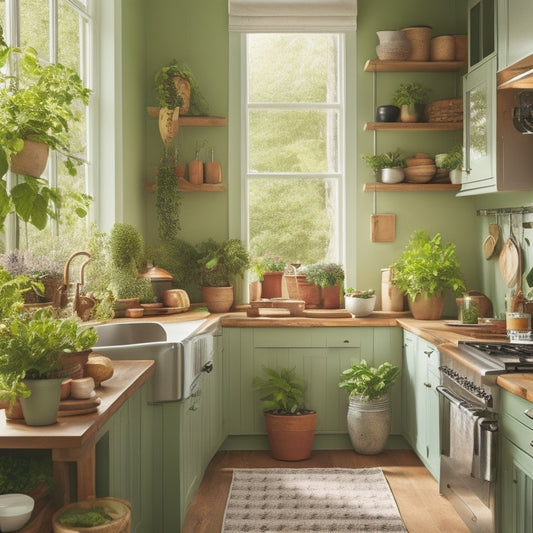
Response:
column 292, row 15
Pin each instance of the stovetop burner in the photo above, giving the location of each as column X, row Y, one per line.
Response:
column 507, row 357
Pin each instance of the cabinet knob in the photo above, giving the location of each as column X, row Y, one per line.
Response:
column 346, row 341
column 428, row 385
column 529, row 412
column 428, row 352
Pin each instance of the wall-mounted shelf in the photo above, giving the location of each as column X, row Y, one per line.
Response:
column 192, row 120
column 413, row 126
column 187, row 186
column 378, row 65
column 397, row 187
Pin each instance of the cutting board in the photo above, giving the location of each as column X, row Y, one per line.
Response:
column 383, row 228
column 327, row 313
column 72, row 407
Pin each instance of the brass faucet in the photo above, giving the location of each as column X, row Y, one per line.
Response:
column 80, row 304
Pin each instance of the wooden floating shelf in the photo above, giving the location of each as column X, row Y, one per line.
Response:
column 192, row 120
column 413, row 126
column 395, row 187
column 378, row 65
column 187, row 186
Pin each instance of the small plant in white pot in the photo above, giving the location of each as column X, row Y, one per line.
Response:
column 369, row 409
column 453, row 162
column 360, row 303
column 387, row 167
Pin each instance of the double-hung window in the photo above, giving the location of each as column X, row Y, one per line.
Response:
column 293, row 157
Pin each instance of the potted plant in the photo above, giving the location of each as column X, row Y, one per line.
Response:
column 453, row 162
column 328, row 277
column 360, row 303
column 387, row 167
column 369, row 410
column 411, row 99
column 126, row 256
column 177, row 91
column 13, row 290
column 290, row 426
column 269, row 270
column 32, row 362
column 218, row 265
column 426, row 268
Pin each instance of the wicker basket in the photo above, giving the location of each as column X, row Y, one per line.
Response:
column 448, row 110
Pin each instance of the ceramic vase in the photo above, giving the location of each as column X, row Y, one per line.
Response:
column 369, row 423
column 41, row 407
column 393, row 45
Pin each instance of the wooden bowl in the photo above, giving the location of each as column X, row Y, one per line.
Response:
column 421, row 174
column 419, row 161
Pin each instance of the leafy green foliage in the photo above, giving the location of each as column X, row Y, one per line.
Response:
column 368, row 382
column 282, row 392
column 453, row 159
column 427, row 266
column 22, row 473
column 219, row 263
column 324, row 275
column 410, row 93
column 386, row 160
column 126, row 246
column 168, row 197
column 354, row 293
column 81, row 517
column 12, row 290
column 267, row 263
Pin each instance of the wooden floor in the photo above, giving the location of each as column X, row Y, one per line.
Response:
column 416, row 492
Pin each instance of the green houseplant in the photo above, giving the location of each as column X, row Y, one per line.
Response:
column 269, row 270
column 32, row 361
column 410, row 98
column 360, row 303
column 388, row 167
column 453, row 162
column 369, row 409
column 168, row 196
column 218, row 264
column 426, row 268
column 329, row 277
column 290, row 426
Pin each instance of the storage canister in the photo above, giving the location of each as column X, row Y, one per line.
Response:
column 443, row 48
column 419, row 38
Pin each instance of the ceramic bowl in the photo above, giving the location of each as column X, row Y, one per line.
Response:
column 421, row 174
column 81, row 389
column 359, row 306
column 15, row 511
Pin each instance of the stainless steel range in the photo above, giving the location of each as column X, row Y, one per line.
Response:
column 469, row 425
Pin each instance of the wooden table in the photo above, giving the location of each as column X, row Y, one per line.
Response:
column 73, row 438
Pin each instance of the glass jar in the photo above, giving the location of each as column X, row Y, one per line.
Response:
column 468, row 311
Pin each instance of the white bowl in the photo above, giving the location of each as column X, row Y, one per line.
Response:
column 359, row 306
column 15, row 511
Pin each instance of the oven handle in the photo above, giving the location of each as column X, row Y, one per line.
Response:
column 451, row 396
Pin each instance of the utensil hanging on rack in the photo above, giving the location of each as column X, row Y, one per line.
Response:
column 492, row 241
column 510, row 261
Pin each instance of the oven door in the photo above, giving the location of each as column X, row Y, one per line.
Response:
column 468, row 437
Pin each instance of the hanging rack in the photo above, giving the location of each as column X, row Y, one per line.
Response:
column 504, row 211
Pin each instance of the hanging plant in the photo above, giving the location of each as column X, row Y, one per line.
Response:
column 168, row 196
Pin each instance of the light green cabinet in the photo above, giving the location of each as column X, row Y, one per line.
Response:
column 516, row 481
column 319, row 355
column 481, row 31
column 515, row 38
column 420, row 412
column 479, row 123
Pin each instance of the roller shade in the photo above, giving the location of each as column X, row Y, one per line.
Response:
column 292, row 15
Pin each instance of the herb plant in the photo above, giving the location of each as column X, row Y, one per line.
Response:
column 267, row 263
column 410, row 93
column 354, row 293
column 453, row 159
column 368, row 382
column 168, row 196
column 324, row 274
column 282, row 392
column 427, row 266
column 22, row 473
column 386, row 160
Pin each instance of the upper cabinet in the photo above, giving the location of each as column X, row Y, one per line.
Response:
column 481, row 31
column 515, row 31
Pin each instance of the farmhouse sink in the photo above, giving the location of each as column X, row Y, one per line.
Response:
column 164, row 343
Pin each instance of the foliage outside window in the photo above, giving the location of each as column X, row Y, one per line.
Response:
column 294, row 160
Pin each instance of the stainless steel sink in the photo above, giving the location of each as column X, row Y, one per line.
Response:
column 164, row 343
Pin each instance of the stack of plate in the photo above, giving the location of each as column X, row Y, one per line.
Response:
column 420, row 169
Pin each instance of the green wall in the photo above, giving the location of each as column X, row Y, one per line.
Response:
column 197, row 32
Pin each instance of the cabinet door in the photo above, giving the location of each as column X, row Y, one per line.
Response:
column 408, row 388
column 516, row 489
column 515, row 39
column 481, row 30
column 479, row 100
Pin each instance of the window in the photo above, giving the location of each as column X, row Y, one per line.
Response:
column 293, row 145
column 60, row 31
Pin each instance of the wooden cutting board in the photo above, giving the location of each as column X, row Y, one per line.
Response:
column 72, row 407
column 327, row 313
column 383, row 228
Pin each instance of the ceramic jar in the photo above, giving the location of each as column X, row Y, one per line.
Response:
column 393, row 45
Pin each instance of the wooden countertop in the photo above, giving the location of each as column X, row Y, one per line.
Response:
column 75, row 431
column 519, row 384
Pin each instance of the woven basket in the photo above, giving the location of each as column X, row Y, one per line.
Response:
column 419, row 38
column 448, row 110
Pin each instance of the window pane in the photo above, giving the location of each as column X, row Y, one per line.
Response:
column 68, row 36
column 34, row 24
column 293, row 218
column 293, row 141
column 292, row 68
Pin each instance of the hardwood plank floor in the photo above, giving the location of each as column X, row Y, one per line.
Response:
column 416, row 492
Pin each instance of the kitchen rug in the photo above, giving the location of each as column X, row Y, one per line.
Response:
column 310, row 499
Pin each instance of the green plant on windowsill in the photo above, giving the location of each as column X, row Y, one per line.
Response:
column 324, row 274
column 267, row 263
column 364, row 295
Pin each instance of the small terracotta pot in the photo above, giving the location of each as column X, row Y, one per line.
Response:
column 290, row 436
column 309, row 293
column 331, row 297
column 271, row 286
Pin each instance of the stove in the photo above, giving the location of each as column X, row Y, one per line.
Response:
column 495, row 358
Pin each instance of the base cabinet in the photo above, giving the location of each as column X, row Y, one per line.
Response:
column 420, row 402
column 516, row 480
column 319, row 355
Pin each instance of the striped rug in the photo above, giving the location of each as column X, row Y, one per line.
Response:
column 311, row 499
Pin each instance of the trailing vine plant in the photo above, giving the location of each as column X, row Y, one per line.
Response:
column 168, row 197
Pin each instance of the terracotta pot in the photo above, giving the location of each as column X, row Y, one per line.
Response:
column 271, row 285
column 424, row 308
column 31, row 161
column 309, row 293
column 290, row 436
column 218, row 299
column 331, row 297
column 411, row 112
